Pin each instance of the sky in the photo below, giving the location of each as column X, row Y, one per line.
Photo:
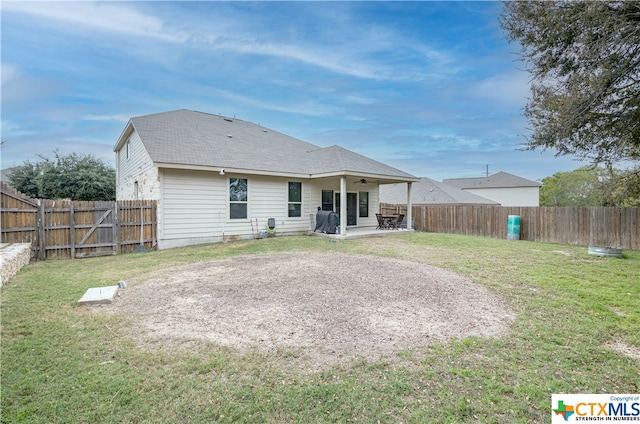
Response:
column 431, row 88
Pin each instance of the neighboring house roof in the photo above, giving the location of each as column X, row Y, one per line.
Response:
column 5, row 174
column 192, row 139
column 430, row 192
column 497, row 180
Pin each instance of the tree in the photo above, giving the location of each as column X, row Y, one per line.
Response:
column 584, row 62
column 581, row 187
column 587, row 186
column 73, row 176
column 623, row 188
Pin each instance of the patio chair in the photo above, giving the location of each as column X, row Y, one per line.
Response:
column 397, row 221
column 381, row 222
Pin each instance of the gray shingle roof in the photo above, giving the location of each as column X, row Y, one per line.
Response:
column 337, row 159
column 5, row 174
column 191, row 138
column 430, row 192
column 497, row 180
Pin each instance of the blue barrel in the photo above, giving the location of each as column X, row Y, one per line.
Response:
column 513, row 227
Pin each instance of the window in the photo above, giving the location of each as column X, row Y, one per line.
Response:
column 363, row 197
column 238, row 198
column 295, row 199
column 127, row 148
column 327, row 200
column 136, row 190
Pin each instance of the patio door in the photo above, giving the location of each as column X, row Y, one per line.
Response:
column 352, row 207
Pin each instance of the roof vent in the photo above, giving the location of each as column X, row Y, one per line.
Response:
column 228, row 120
column 229, row 135
column 264, row 130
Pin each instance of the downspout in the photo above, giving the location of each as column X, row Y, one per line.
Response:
column 343, row 206
column 409, row 227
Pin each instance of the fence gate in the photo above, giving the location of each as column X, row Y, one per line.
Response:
column 76, row 229
column 65, row 229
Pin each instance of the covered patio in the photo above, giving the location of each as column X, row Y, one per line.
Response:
column 352, row 200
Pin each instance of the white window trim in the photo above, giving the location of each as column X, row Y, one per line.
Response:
column 247, row 202
column 301, row 202
column 368, row 204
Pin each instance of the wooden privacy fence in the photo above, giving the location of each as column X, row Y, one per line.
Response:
column 74, row 229
column 601, row 226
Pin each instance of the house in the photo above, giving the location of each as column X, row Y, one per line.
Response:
column 430, row 192
column 217, row 178
column 5, row 174
column 502, row 187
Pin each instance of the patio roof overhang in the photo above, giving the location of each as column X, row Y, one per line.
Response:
column 370, row 177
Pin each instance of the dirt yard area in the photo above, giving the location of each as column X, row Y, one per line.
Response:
column 324, row 307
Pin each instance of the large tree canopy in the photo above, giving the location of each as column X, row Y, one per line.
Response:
column 584, row 186
column 584, row 60
column 588, row 186
column 73, row 176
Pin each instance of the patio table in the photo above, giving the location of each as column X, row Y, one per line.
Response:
column 388, row 220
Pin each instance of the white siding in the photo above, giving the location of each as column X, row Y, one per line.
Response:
column 269, row 198
column 192, row 207
column 517, row 196
column 138, row 167
column 195, row 206
column 374, row 208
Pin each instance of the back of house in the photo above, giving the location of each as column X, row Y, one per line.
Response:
column 218, row 178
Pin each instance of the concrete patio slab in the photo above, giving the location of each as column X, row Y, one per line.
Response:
column 362, row 232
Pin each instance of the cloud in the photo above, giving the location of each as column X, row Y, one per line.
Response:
column 336, row 39
column 9, row 72
column 107, row 118
column 110, row 17
column 308, row 107
column 21, row 90
column 13, row 128
column 373, row 53
column 506, row 89
column 333, row 60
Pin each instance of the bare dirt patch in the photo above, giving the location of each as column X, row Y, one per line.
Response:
column 327, row 307
column 625, row 349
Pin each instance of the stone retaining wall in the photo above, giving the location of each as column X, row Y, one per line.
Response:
column 13, row 257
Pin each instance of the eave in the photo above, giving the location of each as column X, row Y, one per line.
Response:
column 378, row 178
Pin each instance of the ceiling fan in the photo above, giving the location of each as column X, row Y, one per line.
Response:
column 361, row 181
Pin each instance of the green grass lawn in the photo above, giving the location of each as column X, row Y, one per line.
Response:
column 67, row 364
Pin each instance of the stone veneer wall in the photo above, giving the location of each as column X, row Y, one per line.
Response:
column 13, row 257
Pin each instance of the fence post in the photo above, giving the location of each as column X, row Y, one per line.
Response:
column 154, row 224
column 72, row 231
column 41, row 232
column 116, row 224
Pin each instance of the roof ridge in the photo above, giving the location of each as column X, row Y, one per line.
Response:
column 216, row 115
column 497, row 179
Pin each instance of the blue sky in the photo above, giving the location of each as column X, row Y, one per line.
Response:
column 431, row 88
